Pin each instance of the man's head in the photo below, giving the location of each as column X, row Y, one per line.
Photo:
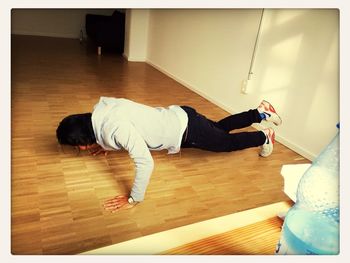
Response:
column 76, row 130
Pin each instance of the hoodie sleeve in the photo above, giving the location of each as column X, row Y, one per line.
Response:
column 126, row 136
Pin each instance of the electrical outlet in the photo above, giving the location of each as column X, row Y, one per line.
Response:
column 244, row 87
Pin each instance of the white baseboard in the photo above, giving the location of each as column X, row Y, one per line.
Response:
column 194, row 89
column 133, row 59
column 293, row 146
column 46, row 34
column 125, row 56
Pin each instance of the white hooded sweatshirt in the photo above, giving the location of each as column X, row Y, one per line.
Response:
column 121, row 123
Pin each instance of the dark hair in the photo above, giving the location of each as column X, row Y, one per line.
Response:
column 76, row 130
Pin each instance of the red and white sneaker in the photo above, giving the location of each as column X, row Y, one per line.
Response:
column 267, row 147
column 270, row 112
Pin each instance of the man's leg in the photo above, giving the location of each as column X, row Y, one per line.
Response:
column 265, row 111
column 225, row 142
column 240, row 120
column 204, row 134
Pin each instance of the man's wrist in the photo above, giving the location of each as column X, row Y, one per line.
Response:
column 131, row 200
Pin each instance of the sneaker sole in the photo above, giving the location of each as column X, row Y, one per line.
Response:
column 272, row 140
column 274, row 111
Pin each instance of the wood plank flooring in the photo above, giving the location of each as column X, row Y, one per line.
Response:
column 56, row 195
column 256, row 239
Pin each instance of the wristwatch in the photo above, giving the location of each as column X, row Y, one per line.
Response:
column 131, row 200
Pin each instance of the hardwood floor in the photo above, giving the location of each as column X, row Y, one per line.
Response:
column 256, row 239
column 56, row 195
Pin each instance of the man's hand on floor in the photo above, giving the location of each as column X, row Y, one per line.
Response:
column 117, row 203
column 98, row 150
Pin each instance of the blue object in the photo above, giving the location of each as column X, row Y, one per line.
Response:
column 311, row 226
column 263, row 116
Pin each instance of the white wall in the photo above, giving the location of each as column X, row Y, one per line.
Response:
column 136, row 34
column 206, row 50
column 65, row 23
column 296, row 66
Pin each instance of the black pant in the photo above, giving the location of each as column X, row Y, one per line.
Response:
column 214, row 136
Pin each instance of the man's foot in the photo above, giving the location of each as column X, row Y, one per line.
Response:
column 270, row 113
column 267, row 147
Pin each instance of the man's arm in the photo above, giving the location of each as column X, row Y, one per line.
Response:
column 126, row 136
